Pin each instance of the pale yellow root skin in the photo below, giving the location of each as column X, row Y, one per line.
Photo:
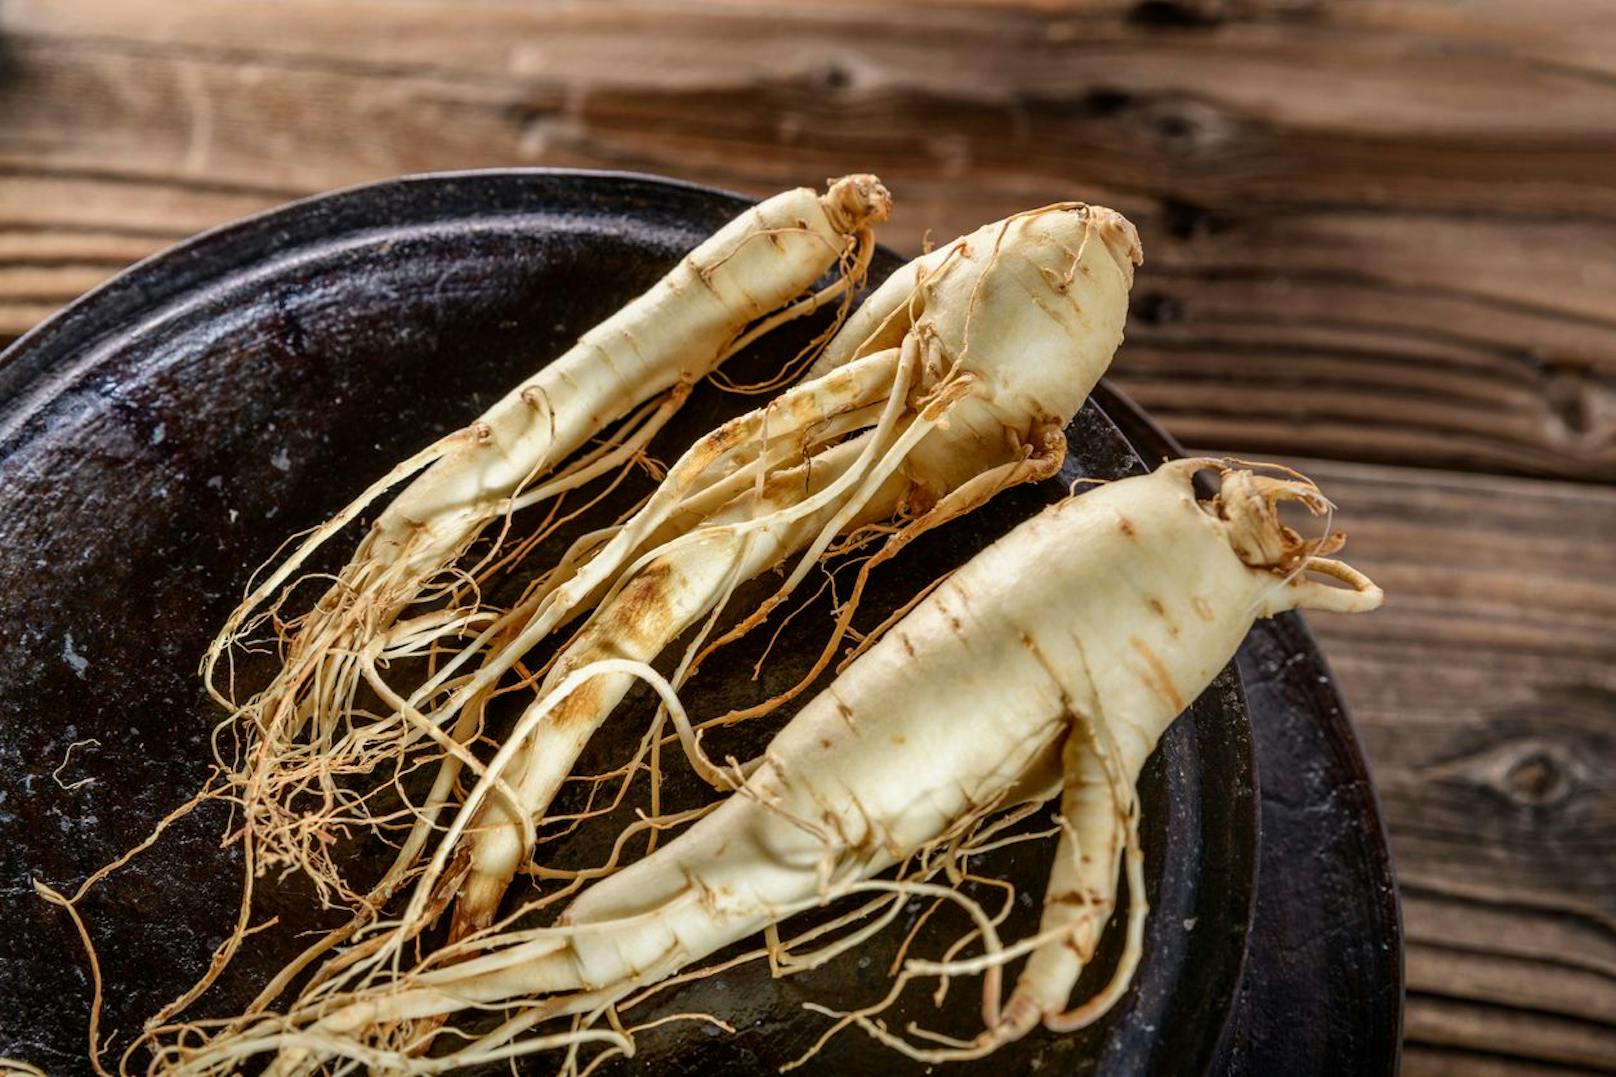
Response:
column 675, row 333
column 671, row 336
column 1029, row 310
column 1141, row 595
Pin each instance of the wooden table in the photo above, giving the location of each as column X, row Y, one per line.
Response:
column 1381, row 242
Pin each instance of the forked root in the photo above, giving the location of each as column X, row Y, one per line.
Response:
column 747, row 279
column 976, row 420
column 1066, row 681
column 967, row 396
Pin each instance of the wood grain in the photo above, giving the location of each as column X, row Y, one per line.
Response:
column 1485, row 693
column 1412, row 203
column 1379, row 232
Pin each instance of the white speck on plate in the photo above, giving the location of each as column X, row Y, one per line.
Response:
column 159, row 432
column 74, row 658
column 282, row 460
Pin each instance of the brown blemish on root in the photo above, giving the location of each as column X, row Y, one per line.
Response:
column 640, row 614
column 1202, row 609
column 1159, row 678
column 725, row 438
column 844, row 712
column 582, row 705
column 1160, row 610
column 449, row 887
column 1126, row 525
column 921, row 499
column 899, row 739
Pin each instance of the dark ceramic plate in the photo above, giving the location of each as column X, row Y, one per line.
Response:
column 159, row 439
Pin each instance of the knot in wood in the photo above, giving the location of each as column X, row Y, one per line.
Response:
column 1532, row 773
column 1179, row 14
column 1538, row 780
column 834, row 76
column 1187, row 128
column 1584, row 408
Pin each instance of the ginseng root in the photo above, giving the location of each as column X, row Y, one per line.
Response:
column 1004, row 685
column 303, row 733
column 1000, row 336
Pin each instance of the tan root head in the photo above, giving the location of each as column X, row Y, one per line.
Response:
column 857, row 201
column 1248, row 504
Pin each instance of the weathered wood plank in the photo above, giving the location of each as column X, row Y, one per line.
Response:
column 1109, row 113
column 1358, row 47
column 1420, row 1060
column 1374, row 230
column 1508, row 1033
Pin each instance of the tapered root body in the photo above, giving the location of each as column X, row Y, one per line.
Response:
column 1018, row 320
column 676, row 332
column 303, row 731
column 1000, row 677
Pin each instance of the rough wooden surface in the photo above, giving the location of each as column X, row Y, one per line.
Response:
column 1485, row 692
column 1381, row 234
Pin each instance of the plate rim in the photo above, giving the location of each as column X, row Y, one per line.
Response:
column 110, row 290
